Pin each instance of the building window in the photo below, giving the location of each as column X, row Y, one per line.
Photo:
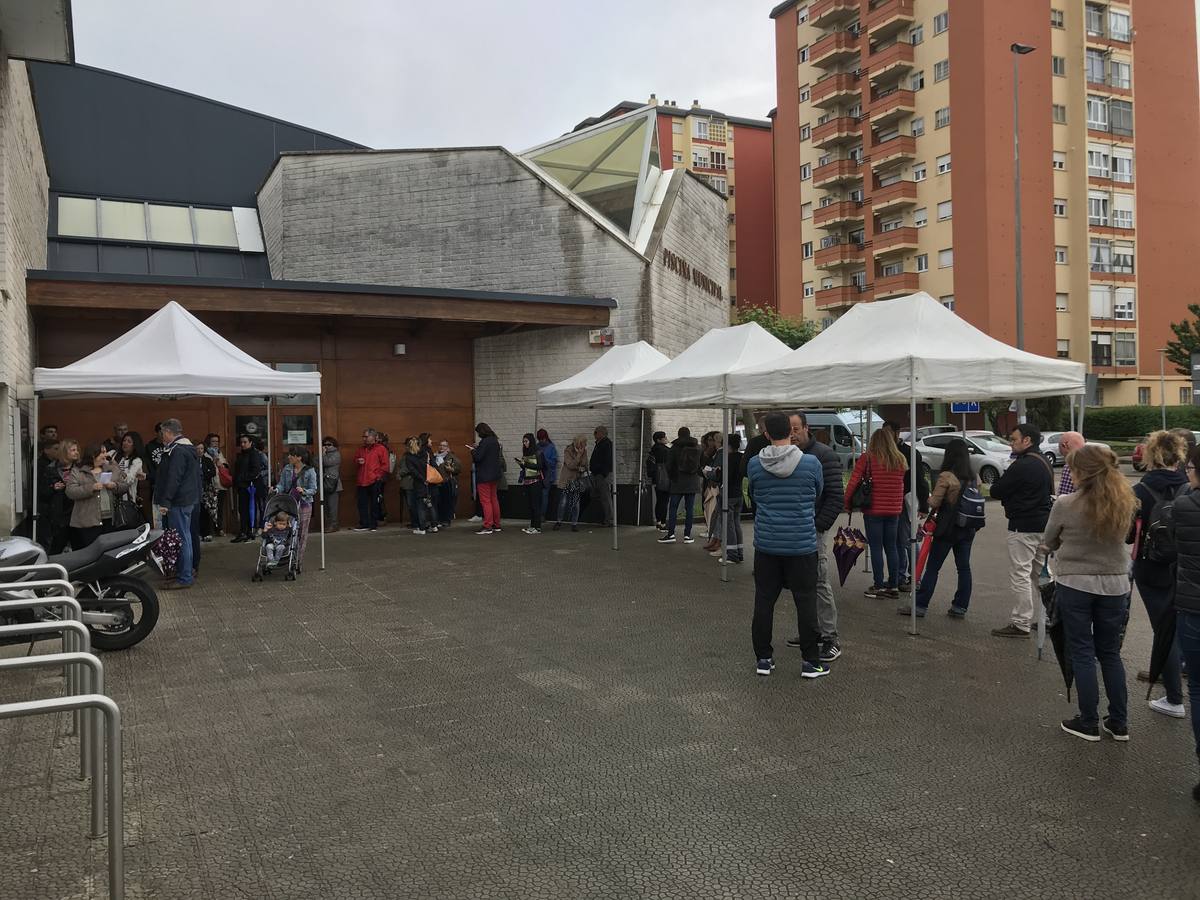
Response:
column 917, row 127
column 1097, row 208
column 1064, row 349
column 806, row 210
column 1098, row 162
column 946, row 258
column 733, row 246
column 700, row 129
column 1056, row 18
column 1094, row 19
column 1099, row 256
column 676, row 156
column 826, row 283
column 1060, row 207
column 806, row 172
column 808, row 289
column 943, row 164
column 1097, row 113
column 1122, row 169
column 802, row 15
column 916, row 81
column 1122, row 258
column 1120, row 117
column 1060, row 160
column 1126, row 349
column 920, row 217
column 1060, row 302
column 719, row 183
column 945, row 211
column 947, row 301
column 1118, row 26
column 941, row 70
column 1060, row 256
column 894, row 268
column 826, row 321
column 806, row 250
column 732, row 190
column 916, row 35
column 733, row 274
column 1122, row 218
column 717, row 160
column 1060, row 113
column 700, row 159
column 805, row 94
column 160, row 223
column 804, row 54
column 1123, row 300
column 676, row 127
column 1058, row 65
column 805, row 132
column 941, row 118
column 1185, row 396
column 1101, row 349
column 941, row 22
column 1093, row 66
column 732, row 218
column 918, row 172
column 1120, row 75
column 891, row 224
column 922, row 262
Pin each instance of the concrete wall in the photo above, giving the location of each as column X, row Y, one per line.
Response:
column 23, row 203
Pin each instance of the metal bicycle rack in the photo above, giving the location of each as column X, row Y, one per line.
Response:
column 112, row 716
column 66, row 601
column 58, row 581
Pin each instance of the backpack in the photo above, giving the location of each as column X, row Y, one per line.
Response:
column 689, row 459
column 970, row 509
column 1158, row 544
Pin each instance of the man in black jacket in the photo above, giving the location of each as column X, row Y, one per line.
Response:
column 176, row 493
column 829, row 505
column 1185, row 529
column 656, row 471
column 601, row 467
column 1024, row 490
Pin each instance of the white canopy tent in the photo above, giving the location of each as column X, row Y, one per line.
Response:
column 901, row 351
column 173, row 354
column 595, row 385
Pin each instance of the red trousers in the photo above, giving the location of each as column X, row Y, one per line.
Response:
column 490, row 503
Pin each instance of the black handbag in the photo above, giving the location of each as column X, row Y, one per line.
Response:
column 861, row 498
column 127, row 515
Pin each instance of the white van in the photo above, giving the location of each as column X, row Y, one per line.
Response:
column 846, row 431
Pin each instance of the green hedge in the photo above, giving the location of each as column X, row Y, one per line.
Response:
column 1120, row 422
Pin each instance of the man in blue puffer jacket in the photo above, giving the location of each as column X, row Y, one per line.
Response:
column 786, row 484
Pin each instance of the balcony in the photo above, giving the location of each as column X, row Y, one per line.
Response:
column 825, row 13
column 894, row 196
column 842, row 212
column 887, row 17
column 841, row 255
column 891, row 107
column 898, row 240
column 834, row 48
column 896, row 285
column 841, row 130
column 832, row 90
column 835, row 172
column 890, row 62
column 841, row 296
column 897, row 150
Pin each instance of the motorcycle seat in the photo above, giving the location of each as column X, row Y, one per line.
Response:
column 77, row 559
column 117, row 539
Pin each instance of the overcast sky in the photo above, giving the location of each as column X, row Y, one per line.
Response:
column 427, row 73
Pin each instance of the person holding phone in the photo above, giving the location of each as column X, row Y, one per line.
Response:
column 93, row 485
column 486, row 456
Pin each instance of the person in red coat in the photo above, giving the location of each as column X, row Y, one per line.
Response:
column 372, row 462
column 883, row 467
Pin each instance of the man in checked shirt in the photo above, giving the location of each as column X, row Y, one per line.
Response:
column 1068, row 443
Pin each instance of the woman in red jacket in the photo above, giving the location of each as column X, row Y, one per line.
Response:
column 882, row 467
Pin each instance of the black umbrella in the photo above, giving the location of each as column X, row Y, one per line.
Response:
column 1054, row 628
column 1164, row 641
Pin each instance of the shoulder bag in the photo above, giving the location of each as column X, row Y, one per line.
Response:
column 861, row 498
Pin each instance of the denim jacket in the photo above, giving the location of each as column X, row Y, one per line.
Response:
column 305, row 485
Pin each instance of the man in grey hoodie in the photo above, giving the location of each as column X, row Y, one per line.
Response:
column 786, row 484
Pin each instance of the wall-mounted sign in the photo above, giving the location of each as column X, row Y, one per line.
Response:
column 684, row 269
column 601, row 337
column 1196, row 377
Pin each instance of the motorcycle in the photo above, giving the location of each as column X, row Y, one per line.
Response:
column 119, row 607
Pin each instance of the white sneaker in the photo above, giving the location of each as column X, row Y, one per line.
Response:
column 475, row 519
column 418, row 531
column 1164, row 706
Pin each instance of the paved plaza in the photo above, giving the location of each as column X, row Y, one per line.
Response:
column 454, row 716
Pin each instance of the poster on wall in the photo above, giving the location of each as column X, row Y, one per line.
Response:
column 254, row 426
column 298, row 430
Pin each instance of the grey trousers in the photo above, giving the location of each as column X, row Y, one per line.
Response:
column 331, row 510
column 826, row 608
column 602, row 490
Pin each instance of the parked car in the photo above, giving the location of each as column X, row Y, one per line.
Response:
column 924, row 431
column 990, row 456
column 844, row 431
column 1049, row 448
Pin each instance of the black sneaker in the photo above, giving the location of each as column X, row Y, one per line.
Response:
column 905, row 587
column 811, row 671
column 1115, row 731
column 765, row 666
column 875, row 593
column 688, row 539
column 1076, row 727
column 1010, row 631
column 830, row 650
column 667, row 539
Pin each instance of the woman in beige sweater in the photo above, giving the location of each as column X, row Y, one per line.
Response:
column 574, row 465
column 948, row 538
column 1088, row 530
column 95, row 484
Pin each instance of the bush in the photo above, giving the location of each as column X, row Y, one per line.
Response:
column 1120, row 422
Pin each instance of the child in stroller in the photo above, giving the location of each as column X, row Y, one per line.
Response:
column 280, row 538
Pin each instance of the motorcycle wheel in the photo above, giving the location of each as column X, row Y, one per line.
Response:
column 140, row 611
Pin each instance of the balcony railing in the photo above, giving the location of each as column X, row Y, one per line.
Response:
column 834, row 88
column 902, row 193
column 838, row 171
column 897, row 240
column 897, row 149
column 887, row 17
column 833, row 48
column 838, row 212
column 837, row 255
column 892, row 105
column 841, row 295
column 824, row 13
column 890, row 61
column 841, row 130
column 896, row 285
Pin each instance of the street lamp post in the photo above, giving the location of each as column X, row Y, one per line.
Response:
column 1018, row 50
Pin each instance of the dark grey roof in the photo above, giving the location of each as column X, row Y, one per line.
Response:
column 107, row 134
column 329, row 287
column 681, row 111
column 782, row 8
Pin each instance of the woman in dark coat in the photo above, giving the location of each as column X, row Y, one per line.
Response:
column 416, row 459
column 1186, row 531
column 485, row 453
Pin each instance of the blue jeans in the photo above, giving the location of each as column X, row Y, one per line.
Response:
column 938, row 551
column 1188, row 634
column 180, row 518
column 1092, row 625
column 881, row 538
column 689, row 513
column 1157, row 601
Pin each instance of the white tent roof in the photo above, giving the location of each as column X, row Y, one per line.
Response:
column 892, row 350
column 696, row 377
column 594, row 385
column 172, row 354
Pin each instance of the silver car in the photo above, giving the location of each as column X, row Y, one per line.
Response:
column 990, row 456
column 1049, row 447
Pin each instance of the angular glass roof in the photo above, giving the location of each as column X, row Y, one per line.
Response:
column 610, row 166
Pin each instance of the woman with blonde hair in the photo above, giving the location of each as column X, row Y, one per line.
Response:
column 1154, row 575
column 574, row 466
column 1088, row 530
column 880, row 472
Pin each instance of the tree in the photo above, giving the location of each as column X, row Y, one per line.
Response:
column 793, row 332
column 1179, row 352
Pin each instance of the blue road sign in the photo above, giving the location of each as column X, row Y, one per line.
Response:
column 969, row 406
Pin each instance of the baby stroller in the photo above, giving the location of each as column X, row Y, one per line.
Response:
column 279, row 550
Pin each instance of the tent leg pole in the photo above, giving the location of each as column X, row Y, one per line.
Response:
column 912, row 508
column 641, row 465
column 1082, row 411
column 317, row 439
column 270, row 460
column 612, row 488
column 867, row 417
column 37, row 463
column 724, row 527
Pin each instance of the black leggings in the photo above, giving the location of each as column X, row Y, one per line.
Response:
column 533, row 492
